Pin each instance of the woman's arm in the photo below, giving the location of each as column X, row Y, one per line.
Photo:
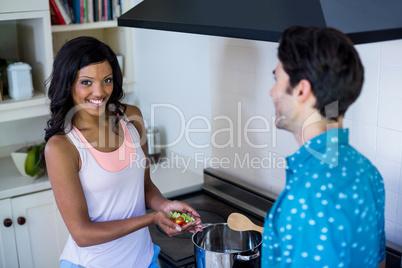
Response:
column 63, row 164
column 153, row 197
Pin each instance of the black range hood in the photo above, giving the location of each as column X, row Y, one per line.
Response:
column 364, row 21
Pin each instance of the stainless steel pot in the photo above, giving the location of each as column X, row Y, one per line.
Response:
column 218, row 246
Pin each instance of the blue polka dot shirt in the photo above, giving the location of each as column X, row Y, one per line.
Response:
column 331, row 212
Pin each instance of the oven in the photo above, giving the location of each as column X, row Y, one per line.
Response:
column 221, row 195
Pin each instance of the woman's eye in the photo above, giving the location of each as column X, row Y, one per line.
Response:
column 86, row 83
column 108, row 80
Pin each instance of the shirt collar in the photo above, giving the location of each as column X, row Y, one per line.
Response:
column 324, row 148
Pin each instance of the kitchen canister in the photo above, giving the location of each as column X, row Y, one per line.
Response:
column 20, row 84
column 154, row 144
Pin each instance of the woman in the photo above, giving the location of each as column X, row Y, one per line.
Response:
column 97, row 162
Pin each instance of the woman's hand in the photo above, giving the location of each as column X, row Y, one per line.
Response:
column 171, row 228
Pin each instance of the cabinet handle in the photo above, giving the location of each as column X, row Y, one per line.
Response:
column 7, row 222
column 21, row 220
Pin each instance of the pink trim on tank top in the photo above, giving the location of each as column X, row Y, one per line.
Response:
column 116, row 160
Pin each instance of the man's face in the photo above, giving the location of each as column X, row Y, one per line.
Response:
column 284, row 102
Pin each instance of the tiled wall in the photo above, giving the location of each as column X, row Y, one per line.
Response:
column 221, row 78
column 378, row 112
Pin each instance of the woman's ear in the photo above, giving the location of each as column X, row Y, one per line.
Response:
column 303, row 90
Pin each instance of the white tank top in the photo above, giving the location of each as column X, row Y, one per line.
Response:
column 112, row 196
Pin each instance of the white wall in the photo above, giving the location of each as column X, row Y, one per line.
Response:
column 376, row 125
column 172, row 73
column 231, row 78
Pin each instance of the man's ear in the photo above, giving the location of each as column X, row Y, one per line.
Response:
column 303, row 90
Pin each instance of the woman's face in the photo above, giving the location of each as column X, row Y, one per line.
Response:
column 92, row 88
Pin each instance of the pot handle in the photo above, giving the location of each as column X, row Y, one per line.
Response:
column 248, row 258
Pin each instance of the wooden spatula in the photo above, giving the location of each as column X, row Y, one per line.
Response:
column 239, row 222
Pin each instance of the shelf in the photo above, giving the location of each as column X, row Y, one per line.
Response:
column 84, row 26
column 11, row 110
column 14, row 184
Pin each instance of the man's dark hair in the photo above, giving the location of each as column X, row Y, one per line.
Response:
column 328, row 60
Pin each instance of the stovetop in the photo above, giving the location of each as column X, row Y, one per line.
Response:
column 218, row 199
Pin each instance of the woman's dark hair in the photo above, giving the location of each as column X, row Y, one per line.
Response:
column 328, row 60
column 73, row 56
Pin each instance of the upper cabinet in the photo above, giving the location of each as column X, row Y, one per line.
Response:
column 27, row 36
column 23, row 5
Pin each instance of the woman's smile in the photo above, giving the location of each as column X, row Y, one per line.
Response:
column 93, row 87
column 96, row 102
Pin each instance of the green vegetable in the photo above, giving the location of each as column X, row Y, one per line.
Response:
column 186, row 218
column 31, row 166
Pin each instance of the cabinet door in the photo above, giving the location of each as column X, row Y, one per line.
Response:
column 41, row 238
column 23, row 5
column 8, row 247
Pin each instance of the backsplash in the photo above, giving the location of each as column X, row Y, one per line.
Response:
column 226, row 82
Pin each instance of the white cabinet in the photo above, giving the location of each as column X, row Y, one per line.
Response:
column 8, row 245
column 36, row 233
column 27, row 36
column 22, row 5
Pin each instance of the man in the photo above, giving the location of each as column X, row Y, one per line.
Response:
column 331, row 212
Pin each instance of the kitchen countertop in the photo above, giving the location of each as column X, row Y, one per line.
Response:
column 170, row 181
column 173, row 182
